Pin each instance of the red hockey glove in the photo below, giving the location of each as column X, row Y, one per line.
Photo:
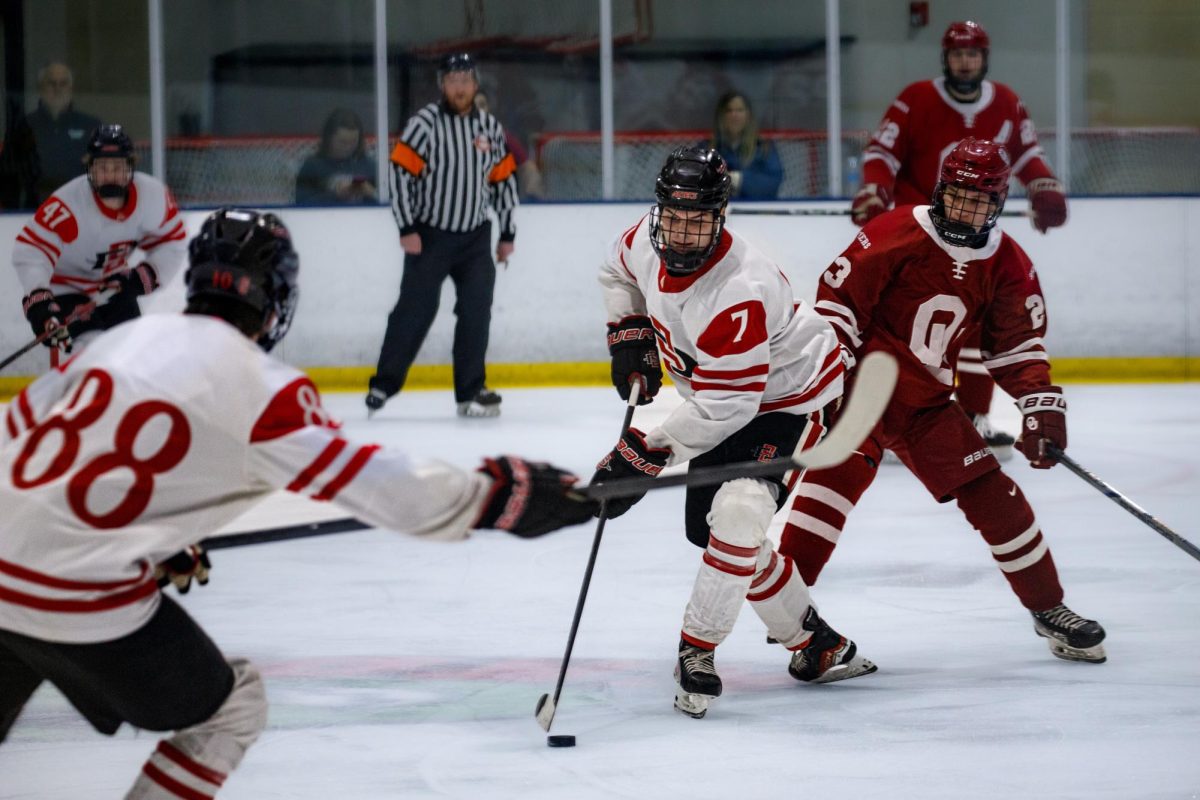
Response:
column 1048, row 202
column 140, row 280
column 45, row 316
column 1045, row 420
column 530, row 498
column 634, row 352
column 631, row 458
column 181, row 568
column 871, row 201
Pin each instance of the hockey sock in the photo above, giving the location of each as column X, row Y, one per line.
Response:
column 822, row 501
column 995, row 505
column 781, row 600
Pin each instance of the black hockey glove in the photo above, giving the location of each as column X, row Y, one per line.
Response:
column 45, row 315
column 529, row 498
column 181, row 568
column 631, row 458
column 142, row 279
column 634, row 354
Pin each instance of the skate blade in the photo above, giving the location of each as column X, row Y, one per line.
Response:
column 854, row 668
column 694, row 705
column 1088, row 655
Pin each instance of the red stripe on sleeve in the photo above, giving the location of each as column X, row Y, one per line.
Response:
column 173, row 786
column 32, row 234
column 348, row 473
column 318, row 465
column 49, row 256
column 202, row 772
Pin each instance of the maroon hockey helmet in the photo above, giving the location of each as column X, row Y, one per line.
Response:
column 962, row 36
column 974, row 165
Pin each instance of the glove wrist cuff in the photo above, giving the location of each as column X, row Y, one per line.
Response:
column 1049, row 399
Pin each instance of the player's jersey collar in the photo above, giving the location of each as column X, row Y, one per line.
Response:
column 125, row 211
column 677, row 283
column 963, row 254
column 987, row 93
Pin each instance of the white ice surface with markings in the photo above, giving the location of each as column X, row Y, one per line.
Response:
column 398, row 668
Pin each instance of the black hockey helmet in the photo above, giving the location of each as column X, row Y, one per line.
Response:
column 109, row 141
column 977, row 165
column 245, row 256
column 692, row 179
column 457, row 62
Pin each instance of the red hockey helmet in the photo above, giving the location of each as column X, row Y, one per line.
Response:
column 973, row 166
column 963, row 36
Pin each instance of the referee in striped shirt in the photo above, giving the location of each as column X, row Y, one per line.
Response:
column 451, row 163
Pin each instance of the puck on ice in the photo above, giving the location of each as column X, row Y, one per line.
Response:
column 560, row 741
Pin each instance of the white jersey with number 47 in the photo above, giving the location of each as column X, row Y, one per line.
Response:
column 73, row 242
column 162, row 431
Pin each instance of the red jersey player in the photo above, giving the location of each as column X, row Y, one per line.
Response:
column 161, row 431
column 912, row 283
column 81, row 239
column 920, row 127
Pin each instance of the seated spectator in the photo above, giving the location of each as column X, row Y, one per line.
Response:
column 60, row 132
column 340, row 173
column 753, row 163
column 529, row 177
column 18, row 161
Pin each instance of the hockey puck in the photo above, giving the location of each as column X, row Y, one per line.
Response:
column 560, row 741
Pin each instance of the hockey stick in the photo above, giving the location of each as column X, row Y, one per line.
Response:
column 267, row 535
column 1124, row 502
column 822, row 212
column 872, row 391
column 77, row 313
column 547, row 705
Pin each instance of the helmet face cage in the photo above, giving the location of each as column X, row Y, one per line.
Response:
column 692, row 191
column 970, row 193
column 248, row 257
column 110, row 141
column 962, row 36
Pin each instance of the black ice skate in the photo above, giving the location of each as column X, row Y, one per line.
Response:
column 484, row 404
column 1070, row 636
column 697, row 680
column 828, row 656
column 999, row 441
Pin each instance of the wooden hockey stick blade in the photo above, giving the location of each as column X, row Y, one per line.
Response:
column 545, row 712
column 823, row 212
column 304, row 531
column 873, row 386
column 1124, row 502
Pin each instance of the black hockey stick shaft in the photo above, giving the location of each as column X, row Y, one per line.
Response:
column 268, row 535
column 821, row 212
column 547, row 705
column 1124, row 502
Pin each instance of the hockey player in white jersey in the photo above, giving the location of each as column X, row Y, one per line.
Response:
column 161, row 431
column 760, row 374
column 81, row 241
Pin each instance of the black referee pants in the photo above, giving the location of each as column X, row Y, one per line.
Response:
column 466, row 259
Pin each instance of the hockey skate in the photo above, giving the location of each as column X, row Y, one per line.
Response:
column 1070, row 636
column 485, row 404
column 828, row 656
column 999, row 441
column 376, row 398
column 697, row 680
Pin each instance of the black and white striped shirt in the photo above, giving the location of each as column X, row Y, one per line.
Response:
column 448, row 168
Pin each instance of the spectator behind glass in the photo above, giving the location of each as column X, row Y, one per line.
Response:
column 59, row 131
column 753, row 163
column 340, row 173
column 18, row 161
column 529, row 177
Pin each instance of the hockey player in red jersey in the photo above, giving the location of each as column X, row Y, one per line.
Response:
column 919, row 128
column 758, row 373
column 80, row 241
column 914, row 283
column 217, row 425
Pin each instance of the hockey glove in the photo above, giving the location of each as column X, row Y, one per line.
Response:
column 142, row 279
column 631, row 458
column 45, row 316
column 871, row 201
column 529, row 498
column 1048, row 203
column 634, row 352
column 1044, row 415
column 181, row 568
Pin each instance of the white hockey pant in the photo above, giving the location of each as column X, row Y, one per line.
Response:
column 741, row 512
column 195, row 761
